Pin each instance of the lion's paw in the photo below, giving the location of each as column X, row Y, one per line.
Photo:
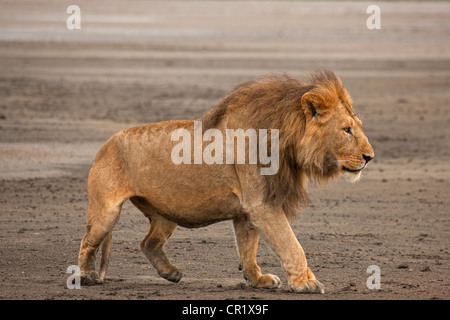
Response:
column 172, row 274
column 267, row 281
column 307, row 286
column 90, row 279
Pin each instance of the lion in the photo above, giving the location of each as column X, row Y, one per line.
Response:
column 320, row 137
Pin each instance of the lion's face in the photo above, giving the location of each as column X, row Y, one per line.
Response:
column 347, row 142
column 335, row 134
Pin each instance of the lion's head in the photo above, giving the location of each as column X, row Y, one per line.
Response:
column 319, row 134
column 333, row 140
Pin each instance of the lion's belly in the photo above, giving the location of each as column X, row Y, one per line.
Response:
column 192, row 204
column 193, row 211
column 192, row 195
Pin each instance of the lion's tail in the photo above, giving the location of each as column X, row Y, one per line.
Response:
column 106, row 250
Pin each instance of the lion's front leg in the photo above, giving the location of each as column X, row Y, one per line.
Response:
column 247, row 242
column 273, row 225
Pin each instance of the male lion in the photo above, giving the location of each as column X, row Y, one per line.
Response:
column 319, row 138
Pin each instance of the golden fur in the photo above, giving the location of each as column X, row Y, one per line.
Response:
column 319, row 138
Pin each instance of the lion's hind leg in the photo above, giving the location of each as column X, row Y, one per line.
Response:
column 106, row 250
column 108, row 188
column 99, row 230
column 153, row 244
column 247, row 241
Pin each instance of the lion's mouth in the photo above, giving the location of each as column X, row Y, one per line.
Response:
column 352, row 170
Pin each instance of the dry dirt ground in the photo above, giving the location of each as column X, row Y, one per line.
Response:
column 64, row 92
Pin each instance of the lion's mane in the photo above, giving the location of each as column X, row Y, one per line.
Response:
column 275, row 102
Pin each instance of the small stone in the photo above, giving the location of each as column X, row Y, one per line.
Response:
column 425, row 269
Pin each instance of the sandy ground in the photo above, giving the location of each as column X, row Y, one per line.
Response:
column 64, row 92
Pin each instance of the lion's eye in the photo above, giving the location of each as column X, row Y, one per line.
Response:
column 348, row 130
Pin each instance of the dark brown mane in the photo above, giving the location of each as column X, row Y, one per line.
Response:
column 274, row 102
column 264, row 94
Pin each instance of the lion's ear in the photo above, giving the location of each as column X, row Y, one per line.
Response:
column 314, row 107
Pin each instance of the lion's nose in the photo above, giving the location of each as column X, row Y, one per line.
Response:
column 367, row 158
